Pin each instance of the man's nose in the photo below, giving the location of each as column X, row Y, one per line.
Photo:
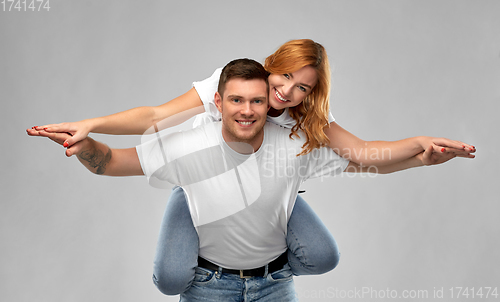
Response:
column 246, row 109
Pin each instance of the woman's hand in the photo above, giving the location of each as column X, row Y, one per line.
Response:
column 77, row 131
column 435, row 156
column 60, row 138
column 445, row 145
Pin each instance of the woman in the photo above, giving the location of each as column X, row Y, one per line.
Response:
column 299, row 85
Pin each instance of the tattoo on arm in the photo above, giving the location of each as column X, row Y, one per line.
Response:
column 96, row 159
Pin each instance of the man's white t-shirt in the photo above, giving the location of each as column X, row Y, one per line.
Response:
column 206, row 90
column 239, row 204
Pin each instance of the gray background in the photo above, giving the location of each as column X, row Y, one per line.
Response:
column 400, row 69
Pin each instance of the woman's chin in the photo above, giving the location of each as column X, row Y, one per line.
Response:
column 278, row 105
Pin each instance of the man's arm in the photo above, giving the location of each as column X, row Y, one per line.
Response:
column 427, row 158
column 97, row 157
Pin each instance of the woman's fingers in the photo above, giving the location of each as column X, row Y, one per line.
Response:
column 61, row 127
column 32, row 132
column 75, row 149
column 427, row 156
column 55, row 136
column 457, row 152
column 454, row 144
column 75, row 138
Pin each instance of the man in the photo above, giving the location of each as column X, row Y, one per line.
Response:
column 241, row 177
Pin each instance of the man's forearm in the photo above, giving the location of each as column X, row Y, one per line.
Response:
column 95, row 156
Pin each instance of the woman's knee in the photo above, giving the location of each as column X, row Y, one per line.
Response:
column 172, row 283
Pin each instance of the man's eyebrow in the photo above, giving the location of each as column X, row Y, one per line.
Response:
column 303, row 84
column 261, row 98
column 234, row 96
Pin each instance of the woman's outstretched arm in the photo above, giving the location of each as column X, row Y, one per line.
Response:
column 133, row 121
column 380, row 153
column 429, row 157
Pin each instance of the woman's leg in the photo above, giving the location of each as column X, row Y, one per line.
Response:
column 177, row 250
column 312, row 250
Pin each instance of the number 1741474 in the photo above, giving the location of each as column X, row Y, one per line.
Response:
column 25, row 5
column 474, row 292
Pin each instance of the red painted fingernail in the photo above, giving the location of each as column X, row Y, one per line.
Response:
column 45, row 129
column 442, row 150
column 65, row 144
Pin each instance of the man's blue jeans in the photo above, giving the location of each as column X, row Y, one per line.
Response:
column 311, row 247
column 213, row 286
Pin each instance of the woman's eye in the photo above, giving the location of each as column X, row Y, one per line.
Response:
column 286, row 75
column 302, row 89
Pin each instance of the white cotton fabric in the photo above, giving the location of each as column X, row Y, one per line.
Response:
column 239, row 204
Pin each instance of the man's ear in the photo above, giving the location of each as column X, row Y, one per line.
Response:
column 218, row 101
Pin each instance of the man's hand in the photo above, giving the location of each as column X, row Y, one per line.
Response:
column 77, row 130
column 60, row 138
column 95, row 156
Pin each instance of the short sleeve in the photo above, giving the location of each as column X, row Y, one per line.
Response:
column 169, row 156
column 324, row 162
column 330, row 118
column 154, row 163
column 206, row 89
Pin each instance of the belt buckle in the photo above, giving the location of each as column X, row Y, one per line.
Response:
column 243, row 276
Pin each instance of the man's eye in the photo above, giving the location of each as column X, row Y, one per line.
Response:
column 257, row 101
column 236, row 100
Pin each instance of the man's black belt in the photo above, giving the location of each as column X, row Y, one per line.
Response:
column 272, row 267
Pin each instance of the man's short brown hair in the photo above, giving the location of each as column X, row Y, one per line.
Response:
column 247, row 69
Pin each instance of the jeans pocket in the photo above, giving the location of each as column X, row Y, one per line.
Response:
column 203, row 275
column 284, row 274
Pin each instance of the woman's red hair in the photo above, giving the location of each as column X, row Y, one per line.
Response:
column 312, row 114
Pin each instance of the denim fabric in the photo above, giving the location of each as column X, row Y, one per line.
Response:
column 211, row 286
column 312, row 249
column 177, row 249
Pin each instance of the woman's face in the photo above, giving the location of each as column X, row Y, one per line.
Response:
column 289, row 90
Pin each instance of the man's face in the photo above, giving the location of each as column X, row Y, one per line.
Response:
column 244, row 108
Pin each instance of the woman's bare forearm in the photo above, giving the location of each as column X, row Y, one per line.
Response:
column 140, row 119
column 379, row 153
column 132, row 121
